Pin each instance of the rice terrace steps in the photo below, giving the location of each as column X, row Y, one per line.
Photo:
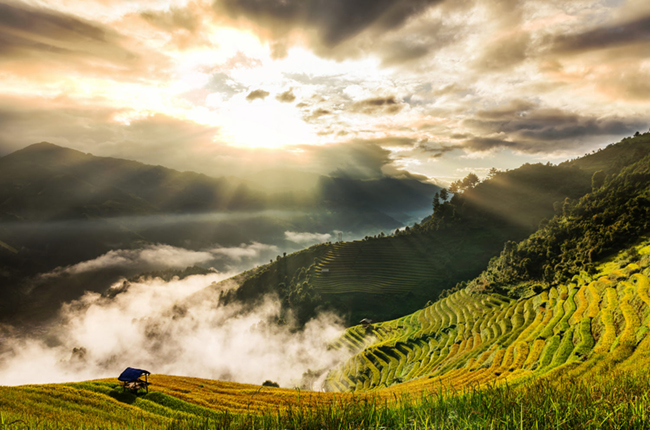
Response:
column 579, row 347
column 374, row 266
column 588, row 326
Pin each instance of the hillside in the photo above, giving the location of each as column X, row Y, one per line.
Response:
column 614, row 215
column 384, row 277
column 585, row 327
column 172, row 400
column 576, row 299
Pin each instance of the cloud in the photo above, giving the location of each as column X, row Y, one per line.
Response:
column 504, row 53
column 173, row 19
column 523, row 126
column 438, row 150
column 35, row 35
column 148, row 258
column 257, row 94
column 286, row 97
column 174, row 328
column 334, row 21
column 356, row 159
column 253, row 251
column 240, row 61
column 317, row 113
column 419, row 39
column 604, row 37
column 304, row 238
column 377, row 106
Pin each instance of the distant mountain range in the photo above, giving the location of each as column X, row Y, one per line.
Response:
column 59, row 207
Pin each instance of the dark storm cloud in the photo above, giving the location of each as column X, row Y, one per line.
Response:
column 378, row 105
column 286, row 97
column 523, row 126
column 334, row 20
column 627, row 33
column 257, row 94
column 27, row 31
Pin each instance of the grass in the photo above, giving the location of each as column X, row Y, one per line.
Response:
column 573, row 356
column 614, row 400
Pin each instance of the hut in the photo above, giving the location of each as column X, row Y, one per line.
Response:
column 131, row 381
column 366, row 323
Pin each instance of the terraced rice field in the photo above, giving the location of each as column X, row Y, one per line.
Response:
column 376, row 266
column 589, row 325
column 103, row 403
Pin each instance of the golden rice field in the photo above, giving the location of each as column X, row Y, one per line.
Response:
column 573, row 356
column 588, row 326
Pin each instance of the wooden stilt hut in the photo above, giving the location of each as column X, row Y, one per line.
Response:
column 131, row 380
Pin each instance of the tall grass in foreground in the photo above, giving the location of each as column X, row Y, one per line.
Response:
column 615, row 401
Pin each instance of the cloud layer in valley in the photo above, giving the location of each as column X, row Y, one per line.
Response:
column 171, row 328
column 307, row 238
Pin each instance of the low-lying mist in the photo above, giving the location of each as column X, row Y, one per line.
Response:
column 170, row 328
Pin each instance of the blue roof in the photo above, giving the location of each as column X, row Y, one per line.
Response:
column 131, row 374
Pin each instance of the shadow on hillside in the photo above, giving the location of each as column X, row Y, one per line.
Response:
column 123, row 396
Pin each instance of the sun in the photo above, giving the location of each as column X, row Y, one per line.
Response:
column 265, row 124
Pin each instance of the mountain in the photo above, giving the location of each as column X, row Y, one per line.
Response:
column 47, row 182
column 615, row 214
column 554, row 334
column 571, row 300
column 59, row 207
column 387, row 276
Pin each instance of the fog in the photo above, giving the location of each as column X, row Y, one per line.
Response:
column 150, row 257
column 174, row 328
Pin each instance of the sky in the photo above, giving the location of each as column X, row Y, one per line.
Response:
column 432, row 89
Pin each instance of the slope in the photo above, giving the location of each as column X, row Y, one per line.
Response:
column 172, row 400
column 583, row 327
column 584, row 231
column 576, row 303
column 383, row 277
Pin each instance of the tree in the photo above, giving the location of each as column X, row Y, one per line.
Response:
column 436, row 202
column 468, row 182
column 493, row 172
column 597, row 180
column 444, row 195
